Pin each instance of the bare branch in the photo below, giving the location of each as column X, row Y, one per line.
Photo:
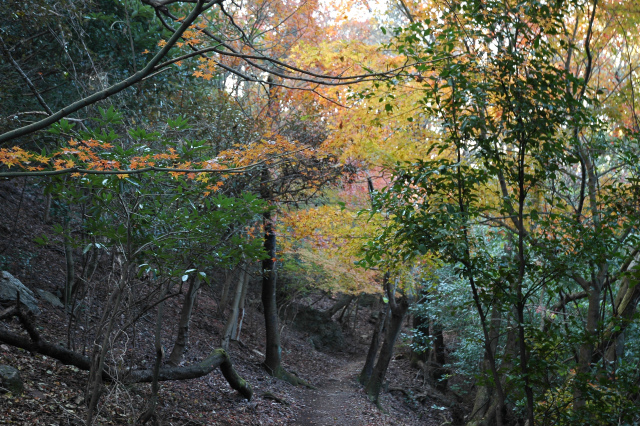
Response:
column 103, row 94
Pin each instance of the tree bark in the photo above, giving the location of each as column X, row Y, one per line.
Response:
column 398, row 311
column 233, row 317
column 487, row 404
column 182, row 340
column 343, row 301
column 378, row 329
column 150, row 412
column 70, row 265
column 273, row 355
column 235, row 335
column 439, row 355
column 585, row 354
column 217, row 358
column 625, row 307
column 101, row 349
column 224, row 297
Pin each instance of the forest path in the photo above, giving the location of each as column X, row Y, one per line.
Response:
column 338, row 399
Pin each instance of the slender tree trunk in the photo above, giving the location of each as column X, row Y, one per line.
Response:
column 625, row 306
column 100, row 350
column 355, row 314
column 182, row 340
column 150, row 412
column 233, row 317
column 585, row 354
column 235, row 335
column 224, row 298
column 439, row 355
column 344, row 310
column 70, row 265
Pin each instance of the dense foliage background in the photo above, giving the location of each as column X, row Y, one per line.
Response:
column 473, row 164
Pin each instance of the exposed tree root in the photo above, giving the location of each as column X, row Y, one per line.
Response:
column 292, row 379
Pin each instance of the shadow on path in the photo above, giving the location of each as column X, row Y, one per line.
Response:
column 339, row 399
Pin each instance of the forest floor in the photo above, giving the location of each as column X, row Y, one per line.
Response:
column 54, row 393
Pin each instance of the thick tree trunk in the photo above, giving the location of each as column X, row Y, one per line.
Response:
column 273, row 357
column 398, row 311
column 273, row 351
column 378, row 329
column 182, row 340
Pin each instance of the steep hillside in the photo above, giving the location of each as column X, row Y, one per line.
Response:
column 54, row 393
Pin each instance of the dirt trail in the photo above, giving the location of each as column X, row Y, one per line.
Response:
column 338, row 399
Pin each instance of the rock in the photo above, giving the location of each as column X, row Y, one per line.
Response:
column 10, row 286
column 49, row 297
column 10, row 379
column 325, row 335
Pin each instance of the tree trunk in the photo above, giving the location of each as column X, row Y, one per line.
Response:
column 47, row 208
column 100, row 349
column 273, row 357
column 585, row 354
column 378, row 329
column 344, row 311
column 625, row 307
column 235, row 335
column 272, row 361
column 224, row 298
column 150, row 412
column 487, row 404
column 70, row 265
column 343, row 301
column 439, row 356
column 35, row 343
column 398, row 311
column 185, row 318
column 355, row 314
column 233, row 317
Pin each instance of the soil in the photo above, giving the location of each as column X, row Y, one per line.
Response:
column 54, row 393
column 337, row 400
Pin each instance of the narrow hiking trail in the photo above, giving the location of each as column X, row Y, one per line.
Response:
column 337, row 399
column 340, row 400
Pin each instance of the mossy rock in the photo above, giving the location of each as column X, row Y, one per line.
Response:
column 10, row 379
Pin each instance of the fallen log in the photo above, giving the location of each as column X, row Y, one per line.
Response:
column 218, row 358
